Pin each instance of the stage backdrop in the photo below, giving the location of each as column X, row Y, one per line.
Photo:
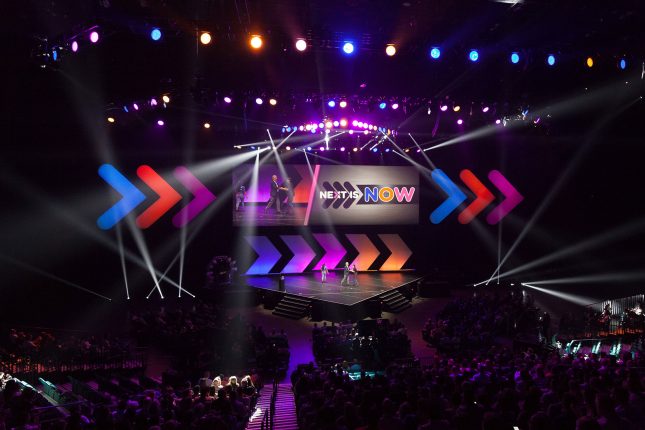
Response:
column 327, row 195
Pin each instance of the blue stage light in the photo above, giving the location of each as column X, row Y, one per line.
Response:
column 331, row 103
column 622, row 64
column 515, row 58
column 550, row 60
column 155, row 34
column 55, row 54
column 374, row 149
column 435, row 53
column 348, row 48
column 382, row 105
column 309, row 148
column 473, row 55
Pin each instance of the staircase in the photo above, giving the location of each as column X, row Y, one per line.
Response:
column 282, row 416
column 293, row 307
column 394, row 301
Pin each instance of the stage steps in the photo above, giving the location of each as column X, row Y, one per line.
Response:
column 293, row 307
column 394, row 301
column 285, row 416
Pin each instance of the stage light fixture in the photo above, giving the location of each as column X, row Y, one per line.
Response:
column 331, row 103
column 153, row 102
column 456, row 108
column 395, row 106
column 94, row 36
column 460, row 121
column 160, row 122
column 355, row 123
column 256, row 42
column 259, row 101
column 135, row 106
column 365, row 132
column 273, row 102
column 55, row 54
column 227, row 99
column 550, row 60
column 155, row 34
column 288, row 148
column 485, row 109
column 301, row 45
column 207, row 125
column 390, row 50
column 351, row 131
column 355, row 149
column 435, row 53
column 75, row 46
column 498, row 121
column 622, row 64
column 515, row 58
column 343, row 123
column 336, row 123
column 348, row 48
column 309, row 148
column 382, row 105
column 443, row 108
column 387, row 149
column 205, row 38
column 166, row 99
column 589, row 62
column 342, row 149
column 374, row 149
column 342, row 104
column 111, row 119
column 473, row 55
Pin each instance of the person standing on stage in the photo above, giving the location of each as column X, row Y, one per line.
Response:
column 287, row 186
column 345, row 274
column 323, row 273
column 240, row 198
column 354, row 273
column 274, row 196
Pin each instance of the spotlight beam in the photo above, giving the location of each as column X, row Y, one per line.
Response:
column 423, row 153
column 573, row 298
column 121, row 254
column 48, row 275
column 595, row 278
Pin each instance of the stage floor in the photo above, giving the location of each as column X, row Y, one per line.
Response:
column 370, row 284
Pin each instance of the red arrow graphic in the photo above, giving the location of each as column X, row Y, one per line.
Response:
column 168, row 197
column 484, row 196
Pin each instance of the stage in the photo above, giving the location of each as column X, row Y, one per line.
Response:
column 388, row 291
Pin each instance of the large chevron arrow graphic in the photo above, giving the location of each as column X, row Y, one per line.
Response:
column 400, row 252
column 483, row 196
column 168, row 197
column 132, row 197
column 455, row 196
column 367, row 252
column 513, row 197
column 268, row 255
column 303, row 255
column 334, row 251
column 203, row 197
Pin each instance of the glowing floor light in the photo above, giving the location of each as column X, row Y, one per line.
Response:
column 348, row 48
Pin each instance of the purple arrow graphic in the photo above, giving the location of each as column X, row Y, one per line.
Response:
column 203, row 197
column 334, row 251
column 302, row 254
column 513, row 197
column 268, row 255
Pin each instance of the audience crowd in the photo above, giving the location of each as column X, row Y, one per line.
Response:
column 474, row 322
column 372, row 342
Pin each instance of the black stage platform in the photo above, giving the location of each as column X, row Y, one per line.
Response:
column 333, row 301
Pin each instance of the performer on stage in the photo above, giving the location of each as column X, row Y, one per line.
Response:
column 354, row 272
column 287, row 187
column 345, row 274
column 240, row 198
column 275, row 188
column 323, row 273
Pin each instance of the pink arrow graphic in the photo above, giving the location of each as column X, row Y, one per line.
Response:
column 203, row 197
column 334, row 251
column 513, row 197
column 367, row 252
column 302, row 254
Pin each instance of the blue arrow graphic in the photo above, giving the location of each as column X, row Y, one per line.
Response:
column 455, row 196
column 131, row 197
column 268, row 255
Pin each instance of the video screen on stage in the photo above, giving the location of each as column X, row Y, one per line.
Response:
column 300, row 194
